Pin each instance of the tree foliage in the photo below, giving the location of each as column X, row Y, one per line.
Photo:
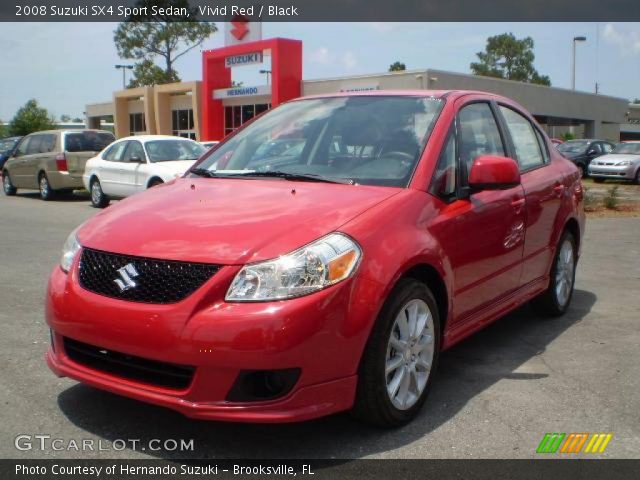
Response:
column 31, row 118
column 397, row 67
column 144, row 38
column 507, row 57
column 147, row 73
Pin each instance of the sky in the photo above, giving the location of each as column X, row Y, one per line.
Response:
column 68, row 65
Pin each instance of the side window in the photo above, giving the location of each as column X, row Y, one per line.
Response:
column 47, row 143
column 543, row 145
column 595, row 146
column 607, row 147
column 524, row 139
column 445, row 176
column 478, row 134
column 23, row 147
column 34, row 145
column 114, row 154
column 134, row 150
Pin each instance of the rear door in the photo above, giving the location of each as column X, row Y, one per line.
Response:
column 543, row 187
column 108, row 170
column 82, row 145
column 489, row 225
column 133, row 169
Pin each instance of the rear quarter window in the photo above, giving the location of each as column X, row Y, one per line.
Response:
column 84, row 141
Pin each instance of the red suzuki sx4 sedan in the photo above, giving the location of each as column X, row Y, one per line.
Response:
column 320, row 258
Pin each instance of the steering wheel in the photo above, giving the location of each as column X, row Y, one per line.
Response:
column 400, row 156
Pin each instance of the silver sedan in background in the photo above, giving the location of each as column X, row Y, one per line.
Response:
column 623, row 163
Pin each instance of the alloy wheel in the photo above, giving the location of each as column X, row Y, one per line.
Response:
column 410, row 353
column 565, row 266
column 96, row 193
column 44, row 186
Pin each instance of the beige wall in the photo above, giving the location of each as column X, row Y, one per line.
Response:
column 133, row 100
column 175, row 96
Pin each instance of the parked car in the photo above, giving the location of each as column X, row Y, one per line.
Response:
column 7, row 147
column 134, row 164
column 582, row 152
column 623, row 163
column 52, row 161
column 325, row 281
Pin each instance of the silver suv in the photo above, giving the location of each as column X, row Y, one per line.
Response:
column 52, row 161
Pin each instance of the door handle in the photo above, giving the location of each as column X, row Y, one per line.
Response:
column 559, row 189
column 518, row 204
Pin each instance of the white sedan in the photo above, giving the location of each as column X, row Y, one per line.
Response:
column 133, row 164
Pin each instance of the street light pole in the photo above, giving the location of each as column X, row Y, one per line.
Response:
column 267, row 72
column 573, row 69
column 124, row 68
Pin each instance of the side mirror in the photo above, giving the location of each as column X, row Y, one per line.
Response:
column 490, row 172
column 135, row 159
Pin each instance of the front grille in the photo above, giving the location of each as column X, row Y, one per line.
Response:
column 151, row 372
column 139, row 279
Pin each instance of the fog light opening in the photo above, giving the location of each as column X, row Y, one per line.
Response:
column 261, row 385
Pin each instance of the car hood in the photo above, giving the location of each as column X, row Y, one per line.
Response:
column 174, row 167
column 227, row 221
column 618, row 157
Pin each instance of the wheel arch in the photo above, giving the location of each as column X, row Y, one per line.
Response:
column 430, row 276
column 153, row 179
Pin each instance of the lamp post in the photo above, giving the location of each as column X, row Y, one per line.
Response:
column 267, row 72
column 573, row 70
column 124, row 68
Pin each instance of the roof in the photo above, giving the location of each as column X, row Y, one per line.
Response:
column 403, row 93
column 148, row 138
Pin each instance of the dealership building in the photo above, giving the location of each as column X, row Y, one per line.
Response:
column 211, row 108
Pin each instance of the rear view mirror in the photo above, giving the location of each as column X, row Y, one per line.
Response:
column 490, row 172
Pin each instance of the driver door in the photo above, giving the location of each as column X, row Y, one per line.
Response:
column 489, row 225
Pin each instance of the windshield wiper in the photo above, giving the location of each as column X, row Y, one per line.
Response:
column 305, row 177
column 203, row 172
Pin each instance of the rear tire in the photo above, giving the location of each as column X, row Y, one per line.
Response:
column 46, row 192
column 400, row 358
column 7, row 186
column 555, row 301
column 98, row 198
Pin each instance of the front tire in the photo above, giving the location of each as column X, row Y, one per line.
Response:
column 46, row 192
column 555, row 301
column 637, row 179
column 400, row 358
column 7, row 186
column 98, row 198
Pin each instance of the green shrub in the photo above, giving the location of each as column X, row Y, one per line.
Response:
column 611, row 200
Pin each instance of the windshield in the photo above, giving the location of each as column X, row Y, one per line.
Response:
column 633, row 148
column 7, row 145
column 171, row 150
column 573, row 146
column 87, row 141
column 371, row 140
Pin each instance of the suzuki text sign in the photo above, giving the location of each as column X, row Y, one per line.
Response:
column 240, row 60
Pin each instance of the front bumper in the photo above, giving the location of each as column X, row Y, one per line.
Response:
column 322, row 334
column 612, row 171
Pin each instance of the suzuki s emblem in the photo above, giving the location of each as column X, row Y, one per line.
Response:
column 127, row 274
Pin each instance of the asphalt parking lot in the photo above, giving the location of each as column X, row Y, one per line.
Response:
column 495, row 396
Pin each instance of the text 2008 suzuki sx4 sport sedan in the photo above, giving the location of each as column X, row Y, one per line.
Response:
column 320, row 258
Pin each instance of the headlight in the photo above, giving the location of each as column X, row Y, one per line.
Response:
column 320, row 264
column 623, row 163
column 69, row 250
